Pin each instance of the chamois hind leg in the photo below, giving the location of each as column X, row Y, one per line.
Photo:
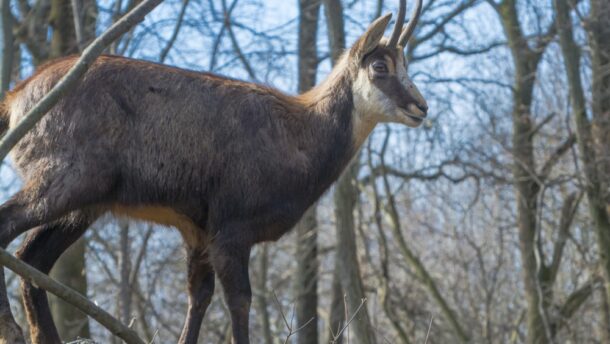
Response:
column 41, row 249
column 200, row 276
column 41, row 201
column 230, row 257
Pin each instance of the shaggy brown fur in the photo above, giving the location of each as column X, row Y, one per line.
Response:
column 228, row 163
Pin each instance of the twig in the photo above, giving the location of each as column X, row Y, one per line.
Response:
column 279, row 306
column 291, row 331
column 335, row 337
column 77, row 14
column 69, row 81
column 429, row 327
column 174, row 36
column 154, row 336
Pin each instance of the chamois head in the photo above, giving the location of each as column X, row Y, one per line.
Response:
column 382, row 90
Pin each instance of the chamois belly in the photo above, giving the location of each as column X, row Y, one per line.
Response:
column 192, row 234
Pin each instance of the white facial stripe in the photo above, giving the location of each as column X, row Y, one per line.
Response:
column 370, row 107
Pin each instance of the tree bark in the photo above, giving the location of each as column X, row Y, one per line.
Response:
column 599, row 42
column 261, row 296
column 63, row 41
column 594, row 168
column 333, row 12
column 7, row 48
column 346, row 196
column 306, row 284
column 126, row 291
column 71, row 323
column 526, row 186
column 70, row 267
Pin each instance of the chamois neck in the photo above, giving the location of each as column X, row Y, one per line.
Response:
column 335, row 89
column 334, row 97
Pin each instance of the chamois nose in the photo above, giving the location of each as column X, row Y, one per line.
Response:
column 423, row 108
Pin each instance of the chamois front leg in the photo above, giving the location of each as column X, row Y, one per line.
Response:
column 27, row 209
column 230, row 259
column 41, row 249
column 51, row 195
column 200, row 291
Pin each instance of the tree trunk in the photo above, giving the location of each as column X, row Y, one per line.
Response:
column 593, row 165
column 125, row 288
column 261, row 296
column 63, row 41
column 71, row 323
column 7, row 48
column 306, row 284
column 333, row 12
column 599, row 41
column 70, row 267
column 346, row 196
column 526, row 185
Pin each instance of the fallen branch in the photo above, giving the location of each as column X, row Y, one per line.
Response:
column 69, row 295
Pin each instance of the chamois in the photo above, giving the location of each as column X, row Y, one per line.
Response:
column 228, row 163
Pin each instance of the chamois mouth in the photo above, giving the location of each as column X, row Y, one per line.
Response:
column 416, row 119
column 414, row 114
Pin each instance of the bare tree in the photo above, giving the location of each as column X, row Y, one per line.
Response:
column 306, row 282
column 333, row 13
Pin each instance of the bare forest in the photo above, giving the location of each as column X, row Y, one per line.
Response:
column 490, row 223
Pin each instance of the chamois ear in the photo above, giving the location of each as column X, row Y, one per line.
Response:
column 370, row 39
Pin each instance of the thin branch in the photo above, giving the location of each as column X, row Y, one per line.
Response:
column 576, row 299
column 71, row 79
column 335, row 337
column 291, row 330
column 429, row 328
column 568, row 211
column 556, row 155
column 140, row 256
column 77, row 14
column 542, row 123
column 172, row 39
column 234, row 42
column 443, row 22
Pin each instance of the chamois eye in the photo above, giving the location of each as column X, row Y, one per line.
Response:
column 380, row 67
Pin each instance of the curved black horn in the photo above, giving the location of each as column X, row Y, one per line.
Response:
column 400, row 20
column 408, row 31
